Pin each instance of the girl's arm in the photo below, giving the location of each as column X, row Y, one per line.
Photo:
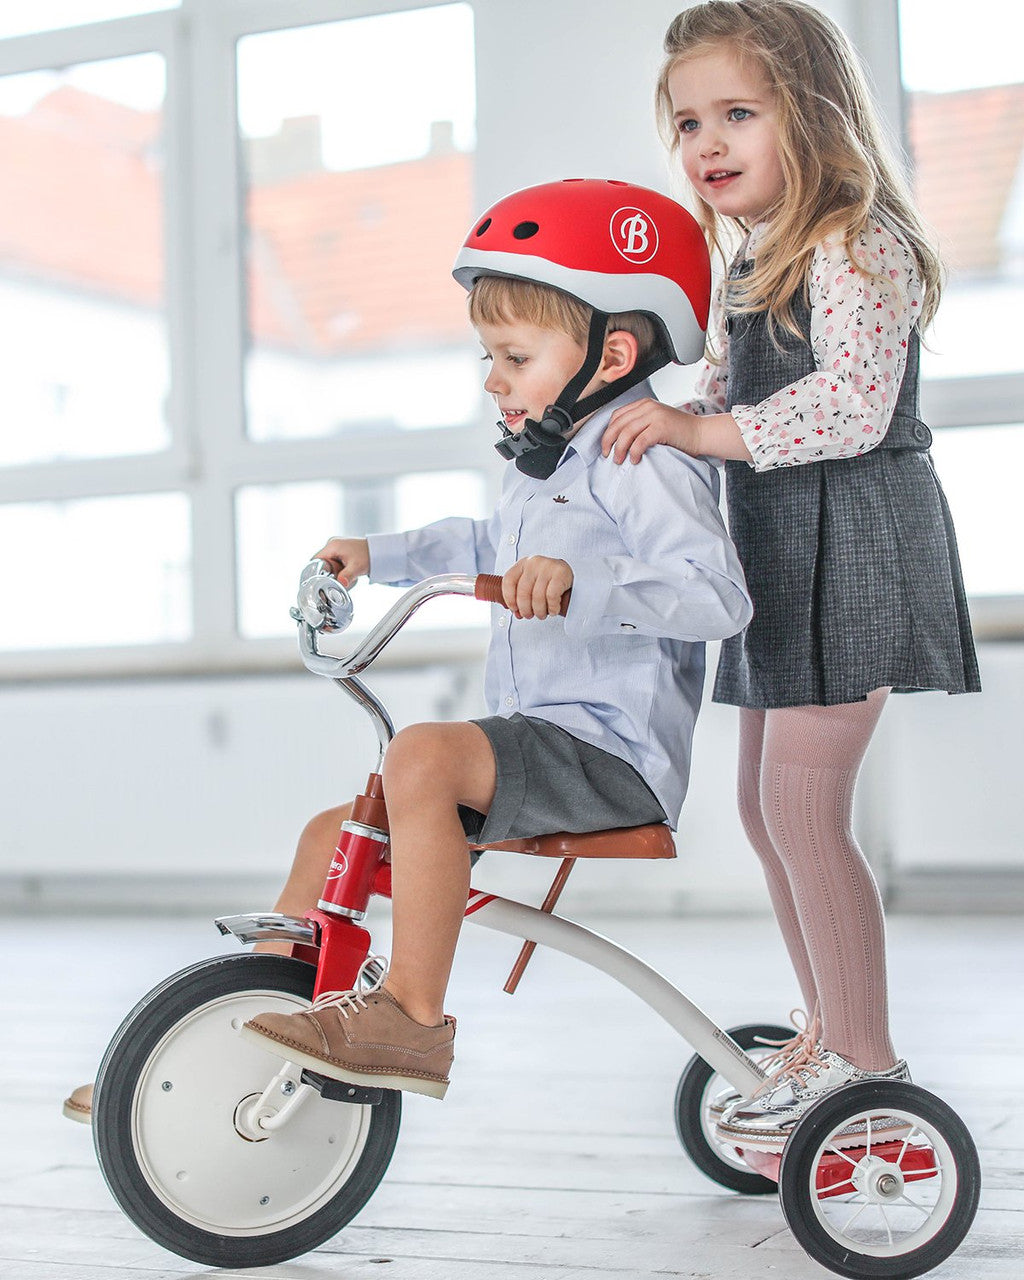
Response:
column 860, row 327
column 646, row 422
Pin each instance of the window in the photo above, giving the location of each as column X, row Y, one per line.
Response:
column 95, row 571
column 188, row 412
column 358, row 187
column 82, row 319
column 964, row 97
column 965, row 104
column 280, row 526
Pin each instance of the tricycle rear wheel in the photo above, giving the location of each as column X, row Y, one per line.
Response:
column 699, row 1086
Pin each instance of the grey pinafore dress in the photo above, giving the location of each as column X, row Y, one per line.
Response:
column 851, row 563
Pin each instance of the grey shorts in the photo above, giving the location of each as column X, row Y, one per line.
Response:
column 550, row 781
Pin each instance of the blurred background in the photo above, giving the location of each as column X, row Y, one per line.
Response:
column 228, row 331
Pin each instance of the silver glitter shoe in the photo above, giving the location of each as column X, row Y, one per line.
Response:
column 765, row 1121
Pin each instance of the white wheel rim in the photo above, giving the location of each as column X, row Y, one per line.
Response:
column 190, row 1153
column 893, row 1222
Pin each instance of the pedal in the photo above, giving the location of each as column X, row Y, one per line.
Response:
column 341, row 1091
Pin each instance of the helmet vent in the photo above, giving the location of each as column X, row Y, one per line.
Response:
column 525, row 230
column 483, row 226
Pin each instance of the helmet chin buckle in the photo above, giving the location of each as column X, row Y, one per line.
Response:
column 537, row 448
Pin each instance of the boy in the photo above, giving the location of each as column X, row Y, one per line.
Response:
column 578, row 291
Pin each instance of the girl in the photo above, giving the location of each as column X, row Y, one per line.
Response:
column 834, row 505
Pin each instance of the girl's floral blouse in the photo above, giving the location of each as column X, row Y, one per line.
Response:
column 859, row 331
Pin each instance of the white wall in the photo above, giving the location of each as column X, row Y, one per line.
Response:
column 200, row 788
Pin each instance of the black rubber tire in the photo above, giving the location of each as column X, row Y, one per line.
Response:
column 215, row 984
column 799, row 1162
column 691, row 1100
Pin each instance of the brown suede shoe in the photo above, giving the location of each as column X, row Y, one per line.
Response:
column 78, row 1104
column 362, row 1038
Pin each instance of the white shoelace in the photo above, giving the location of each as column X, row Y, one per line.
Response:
column 347, row 1002
column 791, row 1057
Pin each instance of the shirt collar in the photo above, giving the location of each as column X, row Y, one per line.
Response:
column 757, row 234
column 587, row 441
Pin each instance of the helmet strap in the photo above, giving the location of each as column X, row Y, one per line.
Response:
column 537, row 448
column 539, row 445
column 658, row 359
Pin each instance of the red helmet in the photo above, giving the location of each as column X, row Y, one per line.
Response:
column 613, row 245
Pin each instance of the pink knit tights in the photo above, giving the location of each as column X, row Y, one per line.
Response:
column 797, row 770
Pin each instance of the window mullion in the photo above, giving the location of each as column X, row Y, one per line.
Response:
column 271, row 15
column 212, row 302
column 91, row 478
column 118, row 38
column 356, row 457
column 988, row 400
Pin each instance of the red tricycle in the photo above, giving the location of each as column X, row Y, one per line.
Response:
column 224, row 1160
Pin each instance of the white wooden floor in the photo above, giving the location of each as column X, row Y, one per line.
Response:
column 554, row 1156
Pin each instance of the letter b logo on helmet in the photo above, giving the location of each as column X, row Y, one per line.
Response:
column 634, row 234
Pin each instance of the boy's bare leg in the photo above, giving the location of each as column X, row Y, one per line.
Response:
column 429, row 770
column 305, row 881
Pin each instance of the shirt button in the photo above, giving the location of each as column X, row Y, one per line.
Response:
column 511, row 539
column 503, row 621
column 509, row 701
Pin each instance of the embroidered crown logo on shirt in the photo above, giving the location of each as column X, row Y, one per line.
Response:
column 560, row 498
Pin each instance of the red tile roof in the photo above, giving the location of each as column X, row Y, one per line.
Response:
column 967, row 148
column 359, row 261
column 340, row 261
column 81, row 198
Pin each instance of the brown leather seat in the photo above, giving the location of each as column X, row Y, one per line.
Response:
column 653, row 841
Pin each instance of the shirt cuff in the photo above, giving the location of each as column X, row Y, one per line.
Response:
column 389, row 557
column 757, row 439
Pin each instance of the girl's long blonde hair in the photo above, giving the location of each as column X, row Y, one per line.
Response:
column 840, row 172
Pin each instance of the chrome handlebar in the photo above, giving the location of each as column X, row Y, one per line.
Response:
column 324, row 605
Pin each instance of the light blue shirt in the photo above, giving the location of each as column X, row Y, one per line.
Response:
column 654, row 576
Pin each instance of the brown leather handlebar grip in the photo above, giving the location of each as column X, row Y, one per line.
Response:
column 488, row 588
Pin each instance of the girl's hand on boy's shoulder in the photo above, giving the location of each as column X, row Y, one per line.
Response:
column 534, row 586
column 635, row 428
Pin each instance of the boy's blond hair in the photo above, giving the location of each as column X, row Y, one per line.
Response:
column 505, row 300
column 840, row 173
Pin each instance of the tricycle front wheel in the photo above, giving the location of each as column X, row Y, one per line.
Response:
column 894, row 1201
column 178, row 1160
